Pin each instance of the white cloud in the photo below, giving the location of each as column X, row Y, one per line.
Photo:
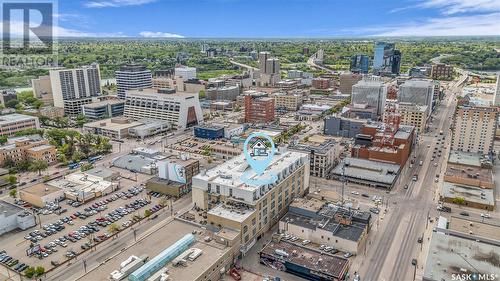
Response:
column 16, row 30
column 151, row 34
column 451, row 7
column 486, row 24
column 116, row 3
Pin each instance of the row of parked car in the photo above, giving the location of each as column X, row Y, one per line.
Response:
column 323, row 248
column 15, row 264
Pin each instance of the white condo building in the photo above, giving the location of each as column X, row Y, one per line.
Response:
column 72, row 88
column 251, row 208
column 182, row 110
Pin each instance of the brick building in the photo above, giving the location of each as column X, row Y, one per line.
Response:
column 259, row 109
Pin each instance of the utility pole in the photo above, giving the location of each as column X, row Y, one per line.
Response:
column 343, row 182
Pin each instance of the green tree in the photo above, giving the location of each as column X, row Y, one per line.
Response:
column 12, row 103
column 86, row 167
column 39, row 270
column 459, row 200
column 29, row 272
column 38, row 166
column 202, row 94
column 13, row 193
column 11, row 179
column 80, row 120
column 77, row 156
column 113, row 228
column 3, row 140
column 147, row 213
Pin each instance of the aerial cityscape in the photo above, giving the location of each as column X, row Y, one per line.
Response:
column 222, row 140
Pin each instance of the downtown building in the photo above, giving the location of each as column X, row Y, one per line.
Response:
column 269, row 69
column 387, row 60
column 259, row 108
column 360, row 64
column 251, row 209
column 181, row 110
column 323, row 155
column 441, row 71
column 418, row 92
column 370, row 91
column 72, row 88
column 132, row 77
column 474, row 129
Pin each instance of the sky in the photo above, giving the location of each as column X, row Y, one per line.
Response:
column 276, row 18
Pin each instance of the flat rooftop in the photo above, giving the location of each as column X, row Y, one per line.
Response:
column 230, row 172
column 42, row 147
column 101, row 172
column 465, row 158
column 9, row 209
column 488, row 228
column 132, row 162
column 469, row 172
column 310, row 259
column 450, row 255
column 109, row 124
column 313, row 205
column 351, row 232
column 157, row 242
column 79, row 182
column 234, row 214
column 41, row 189
column 469, row 193
column 154, row 94
column 319, row 148
column 368, row 170
column 104, row 103
column 15, row 117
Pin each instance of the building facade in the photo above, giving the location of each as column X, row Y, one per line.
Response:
column 360, row 64
column 42, row 89
column 259, row 109
column 223, row 93
column 370, row 91
column 251, row 209
column 441, row 71
column 343, row 127
column 288, row 102
column 182, row 110
column 474, row 129
column 132, row 77
column 27, row 148
column 419, row 92
column 323, row 156
column 103, row 109
column 347, row 80
column 13, row 123
column 72, row 88
column 185, row 72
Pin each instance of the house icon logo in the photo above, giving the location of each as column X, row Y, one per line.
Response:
column 259, row 148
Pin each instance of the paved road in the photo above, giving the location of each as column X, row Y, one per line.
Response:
column 395, row 242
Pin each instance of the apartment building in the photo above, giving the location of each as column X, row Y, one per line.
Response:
column 251, row 209
column 72, row 88
column 441, row 71
column 413, row 115
column 474, row 129
column 27, row 148
column 259, row 109
column 323, row 155
column 321, row 83
column 185, row 72
column 289, row 102
column 13, row 123
column 42, row 89
column 347, row 80
column 182, row 110
column 132, row 77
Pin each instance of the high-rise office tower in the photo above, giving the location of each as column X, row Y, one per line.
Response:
column 132, row 77
column 370, row 91
column 72, row 88
column 396, row 62
column 359, row 64
column 386, row 59
column 419, row 92
column 263, row 56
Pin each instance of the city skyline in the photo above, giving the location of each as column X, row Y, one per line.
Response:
column 274, row 19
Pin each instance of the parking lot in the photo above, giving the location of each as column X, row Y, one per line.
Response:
column 62, row 236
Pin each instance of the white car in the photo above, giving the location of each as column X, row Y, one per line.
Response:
column 355, row 192
column 488, row 216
